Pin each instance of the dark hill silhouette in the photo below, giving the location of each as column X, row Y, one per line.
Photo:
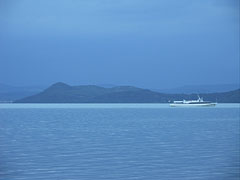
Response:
column 63, row 93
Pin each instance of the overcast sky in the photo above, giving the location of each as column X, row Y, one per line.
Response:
column 146, row 43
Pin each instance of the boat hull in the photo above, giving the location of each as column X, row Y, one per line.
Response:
column 193, row 105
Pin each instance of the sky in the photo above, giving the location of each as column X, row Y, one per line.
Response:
column 153, row 43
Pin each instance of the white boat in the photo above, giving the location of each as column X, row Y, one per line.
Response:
column 192, row 103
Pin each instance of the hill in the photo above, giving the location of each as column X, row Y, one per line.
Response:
column 12, row 93
column 190, row 89
column 63, row 93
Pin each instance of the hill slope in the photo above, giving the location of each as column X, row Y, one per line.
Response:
column 190, row 89
column 12, row 93
column 63, row 93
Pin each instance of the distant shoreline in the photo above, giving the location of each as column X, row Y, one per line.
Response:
column 64, row 93
column 85, row 94
column 102, row 103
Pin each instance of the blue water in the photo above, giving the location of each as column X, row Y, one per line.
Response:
column 118, row 142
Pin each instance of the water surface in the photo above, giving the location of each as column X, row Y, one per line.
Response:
column 118, row 141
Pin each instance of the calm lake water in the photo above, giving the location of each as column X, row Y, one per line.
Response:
column 118, row 142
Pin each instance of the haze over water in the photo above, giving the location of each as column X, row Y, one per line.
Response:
column 118, row 141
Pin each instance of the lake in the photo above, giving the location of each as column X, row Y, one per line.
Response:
column 119, row 142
